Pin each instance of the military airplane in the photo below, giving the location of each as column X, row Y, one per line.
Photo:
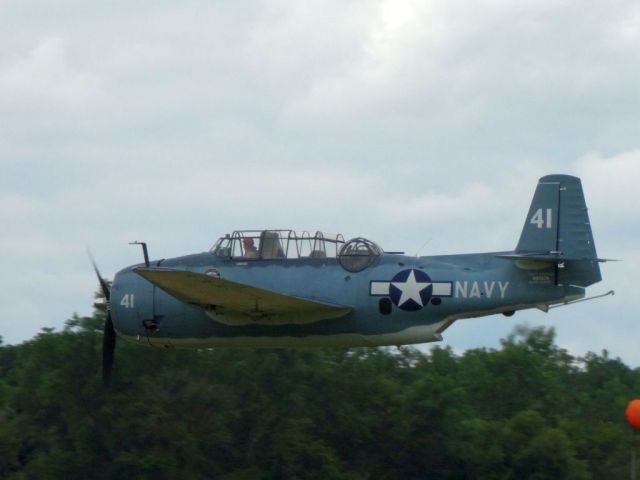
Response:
column 280, row 288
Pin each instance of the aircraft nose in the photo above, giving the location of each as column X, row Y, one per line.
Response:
column 122, row 303
column 132, row 302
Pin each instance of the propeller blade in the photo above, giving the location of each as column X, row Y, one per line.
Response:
column 109, row 337
column 106, row 291
column 108, row 350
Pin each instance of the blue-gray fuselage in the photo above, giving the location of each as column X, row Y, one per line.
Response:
column 396, row 300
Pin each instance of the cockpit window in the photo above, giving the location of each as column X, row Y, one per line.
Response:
column 277, row 245
column 238, row 245
column 358, row 254
column 271, row 245
column 222, row 247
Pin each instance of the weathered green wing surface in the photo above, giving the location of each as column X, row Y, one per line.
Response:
column 206, row 291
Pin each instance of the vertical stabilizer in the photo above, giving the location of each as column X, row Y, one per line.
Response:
column 557, row 227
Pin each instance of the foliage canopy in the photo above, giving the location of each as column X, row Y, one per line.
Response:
column 527, row 410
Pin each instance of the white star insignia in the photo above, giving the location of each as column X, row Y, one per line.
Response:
column 410, row 289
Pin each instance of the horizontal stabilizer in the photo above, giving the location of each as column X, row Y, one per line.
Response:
column 550, row 257
column 210, row 292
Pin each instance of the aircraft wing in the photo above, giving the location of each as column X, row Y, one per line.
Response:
column 261, row 305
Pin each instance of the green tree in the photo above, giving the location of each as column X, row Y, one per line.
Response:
column 525, row 410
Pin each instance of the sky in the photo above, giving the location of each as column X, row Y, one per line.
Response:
column 406, row 122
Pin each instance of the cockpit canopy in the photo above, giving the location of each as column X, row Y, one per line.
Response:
column 354, row 255
column 278, row 244
column 358, row 254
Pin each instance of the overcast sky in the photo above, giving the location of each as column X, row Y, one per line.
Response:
column 401, row 121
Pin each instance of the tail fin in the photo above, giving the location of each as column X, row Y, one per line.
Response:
column 557, row 229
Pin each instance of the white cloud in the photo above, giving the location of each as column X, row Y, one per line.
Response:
column 452, row 67
column 613, row 186
column 384, row 59
column 14, row 206
column 46, row 77
column 439, row 207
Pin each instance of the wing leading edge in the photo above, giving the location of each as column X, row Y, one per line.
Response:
column 263, row 306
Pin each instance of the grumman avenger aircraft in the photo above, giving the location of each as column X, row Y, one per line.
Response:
column 279, row 288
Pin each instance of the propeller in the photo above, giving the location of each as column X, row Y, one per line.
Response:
column 109, row 337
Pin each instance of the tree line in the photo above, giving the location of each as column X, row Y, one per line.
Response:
column 527, row 410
